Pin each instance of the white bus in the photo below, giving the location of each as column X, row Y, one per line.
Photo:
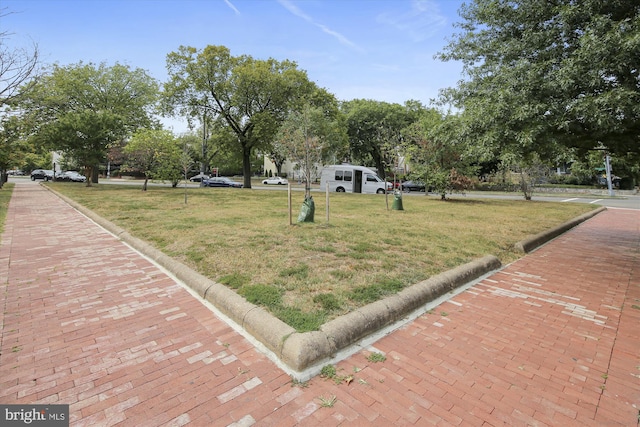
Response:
column 352, row 179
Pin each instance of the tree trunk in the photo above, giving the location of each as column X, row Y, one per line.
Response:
column 88, row 172
column 380, row 167
column 525, row 187
column 246, row 165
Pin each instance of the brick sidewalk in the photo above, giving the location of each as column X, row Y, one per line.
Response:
column 551, row 339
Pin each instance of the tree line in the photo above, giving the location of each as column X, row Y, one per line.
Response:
column 545, row 83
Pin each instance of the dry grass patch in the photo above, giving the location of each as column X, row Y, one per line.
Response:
column 5, row 196
column 309, row 273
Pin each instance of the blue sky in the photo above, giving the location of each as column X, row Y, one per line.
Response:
column 372, row 49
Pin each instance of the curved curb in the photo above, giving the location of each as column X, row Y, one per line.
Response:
column 308, row 350
column 529, row 244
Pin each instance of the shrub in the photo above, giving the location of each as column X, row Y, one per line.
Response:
column 567, row 180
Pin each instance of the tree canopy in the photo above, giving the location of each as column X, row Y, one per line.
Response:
column 377, row 129
column 308, row 136
column 438, row 160
column 82, row 109
column 546, row 74
column 250, row 97
column 155, row 153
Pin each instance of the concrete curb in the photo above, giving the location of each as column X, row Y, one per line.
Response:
column 527, row 245
column 309, row 350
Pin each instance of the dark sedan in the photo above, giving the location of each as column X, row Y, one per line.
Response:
column 412, row 186
column 221, row 181
column 45, row 174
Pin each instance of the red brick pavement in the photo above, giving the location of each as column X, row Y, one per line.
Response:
column 550, row 340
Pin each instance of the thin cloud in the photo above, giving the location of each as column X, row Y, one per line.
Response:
column 422, row 21
column 232, row 7
column 295, row 10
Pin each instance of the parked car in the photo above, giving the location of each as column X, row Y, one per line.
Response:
column 72, row 176
column 199, row 177
column 276, row 180
column 221, row 181
column 615, row 180
column 15, row 172
column 409, row 186
column 45, row 174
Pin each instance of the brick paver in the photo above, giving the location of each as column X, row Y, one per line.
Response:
column 551, row 339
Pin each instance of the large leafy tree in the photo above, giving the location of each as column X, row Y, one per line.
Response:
column 83, row 109
column 376, row 130
column 250, row 97
column 547, row 74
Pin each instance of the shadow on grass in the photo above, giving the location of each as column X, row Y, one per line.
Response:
column 466, row 201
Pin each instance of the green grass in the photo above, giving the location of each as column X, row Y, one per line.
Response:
column 376, row 357
column 5, row 196
column 309, row 273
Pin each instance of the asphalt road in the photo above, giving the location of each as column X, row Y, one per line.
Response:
column 622, row 201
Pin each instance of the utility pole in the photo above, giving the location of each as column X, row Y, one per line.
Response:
column 607, row 166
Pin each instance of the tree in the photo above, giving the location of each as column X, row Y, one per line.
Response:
column 376, row 129
column 305, row 136
column 17, row 67
column 547, row 74
column 250, row 97
column 279, row 152
column 185, row 161
column 155, row 153
column 222, row 152
column 9, row 140
column 82, row 109
column 436, row 158
column 529, row 172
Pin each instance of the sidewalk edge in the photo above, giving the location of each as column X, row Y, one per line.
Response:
column 529, row 244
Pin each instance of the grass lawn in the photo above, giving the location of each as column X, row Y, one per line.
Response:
column 309, row 273
column 5, row 196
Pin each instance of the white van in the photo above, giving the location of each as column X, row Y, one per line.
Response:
column 352, row 179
